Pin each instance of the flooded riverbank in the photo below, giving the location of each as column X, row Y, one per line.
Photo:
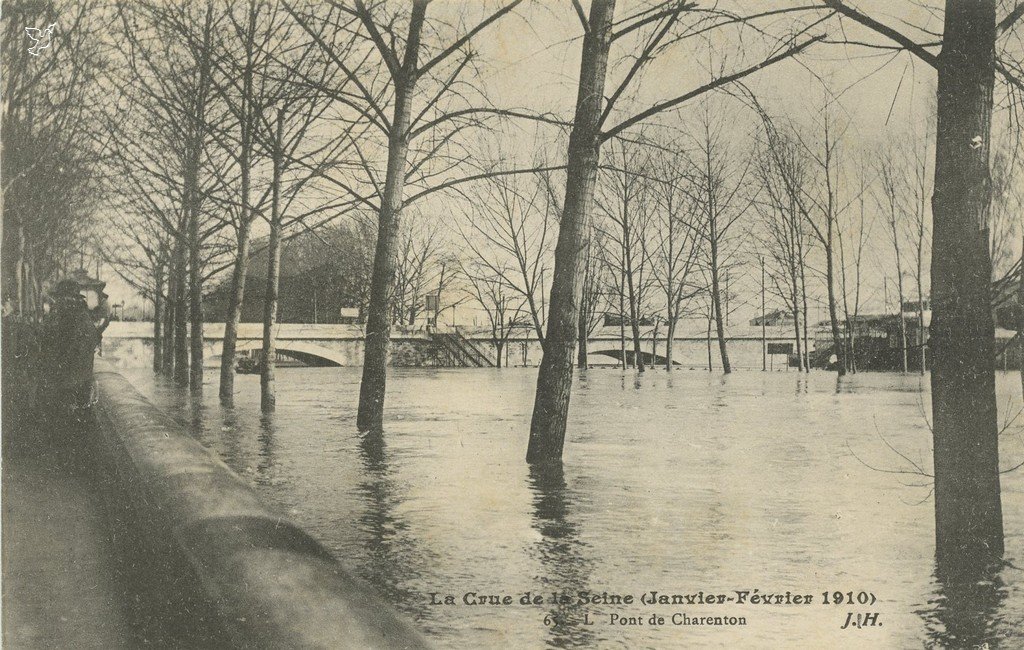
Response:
column 688, row 484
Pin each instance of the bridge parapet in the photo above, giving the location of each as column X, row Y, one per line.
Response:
column 267, row 582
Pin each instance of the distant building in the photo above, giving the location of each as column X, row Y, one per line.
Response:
column 776, row 317
column 316, row 285
column 876, row 342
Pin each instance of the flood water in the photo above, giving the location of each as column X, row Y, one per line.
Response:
column 676, row 484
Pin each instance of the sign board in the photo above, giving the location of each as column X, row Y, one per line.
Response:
column 780, row 348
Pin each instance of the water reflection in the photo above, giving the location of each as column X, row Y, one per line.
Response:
column 802, row 384
column 966, row 607
column 265, row 452
column 388, row 562
column 561, row 555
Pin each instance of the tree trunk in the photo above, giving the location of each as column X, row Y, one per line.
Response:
column 833, row 316
column 654, row 344
column 968, row 510
column 634, row 327
column 197, row 144
column 902, row 324
column 764, row 325
column 920, row 316
column 846, row 305
column 268, row 399
column 711, row 316
column 158, row 317
column 378, row 326
column 167, row 368
column 581, row 346
column 796, row 331
column 622, row 319
column 716, row 298
column 806, row 361
column 670, row 343
column 180, row 315
column 234, row 313
column 554, row 381
column 237, row 296
column 195, row 284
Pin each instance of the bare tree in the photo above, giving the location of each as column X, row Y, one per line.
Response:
column 968, row 504
column 859, row 225
column 594, row 295
column 502, row 305
column 656, row 27
column 423, row 265
column 51, row 152
column 509, row 229
column 918, row 226
column 626, row 207
column 891, row 193
column 785, row 236
column 678, row 224
column 167, row 55
column 819, row 199
column 720, row 176
column 386, row 100
column 250, row 90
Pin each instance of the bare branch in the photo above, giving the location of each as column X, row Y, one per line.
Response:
column 721, row 81
column 913, row 47
column 465, row 39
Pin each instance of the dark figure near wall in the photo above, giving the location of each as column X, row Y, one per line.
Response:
column 66, row 345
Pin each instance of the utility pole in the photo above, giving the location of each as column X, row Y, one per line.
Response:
column 764, row 329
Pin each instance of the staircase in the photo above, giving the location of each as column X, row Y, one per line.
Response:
column 458, row 351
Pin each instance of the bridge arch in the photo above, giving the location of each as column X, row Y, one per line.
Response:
column 648, row 358
column 308, row 353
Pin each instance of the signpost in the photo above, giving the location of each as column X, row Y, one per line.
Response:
column 780, row 348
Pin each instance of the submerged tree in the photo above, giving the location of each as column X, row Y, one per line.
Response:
column 658, row 26
column 161, row 140
column 626, row 206
column 890, row 202
column 784, row 237
column 968, row 504
column 720, row 176
column 413, row 94
column 677, row 243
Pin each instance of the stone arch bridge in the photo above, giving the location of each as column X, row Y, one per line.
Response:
column 130, row 344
